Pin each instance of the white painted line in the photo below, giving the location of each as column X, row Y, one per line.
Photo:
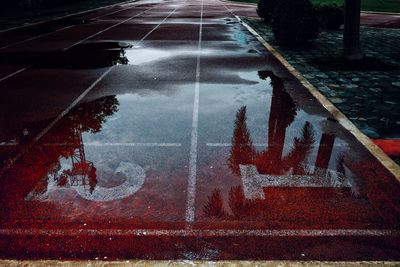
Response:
column 66, row 16
column 59, row 30
column 108, row 28
column 202, row 233
column 62, row 114
column 155, row 28
column 230, row 144
column 35, row 37
column 12, row 143
column 73, row 104
column 254, row 183
column 119, row 144
column 14, row 73
column 76, row 101
column 260, row 145
column 191, row 191
column 81, row 41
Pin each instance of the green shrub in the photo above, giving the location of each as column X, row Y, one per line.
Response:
column 330, row 16
column 265, row 9
column 294, row 22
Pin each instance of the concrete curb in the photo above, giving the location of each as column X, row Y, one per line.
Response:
column 66, row 16
column 387, row 162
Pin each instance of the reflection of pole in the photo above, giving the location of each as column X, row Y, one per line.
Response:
column 325, row 151
column 82, row 170
column 280, row 117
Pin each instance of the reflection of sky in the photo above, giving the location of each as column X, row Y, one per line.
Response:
column 138, row 56
column 151, row 117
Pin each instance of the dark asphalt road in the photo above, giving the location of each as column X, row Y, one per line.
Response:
column 165, row 130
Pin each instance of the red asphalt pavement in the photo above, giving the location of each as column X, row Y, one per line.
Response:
column 380, row 20
column 165, row 130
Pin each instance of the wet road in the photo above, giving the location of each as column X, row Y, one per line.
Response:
column 165, row 130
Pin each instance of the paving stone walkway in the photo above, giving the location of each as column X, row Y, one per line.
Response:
column 369, row 98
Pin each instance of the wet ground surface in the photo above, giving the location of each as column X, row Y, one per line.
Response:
column 167, row 131
column 11, row 17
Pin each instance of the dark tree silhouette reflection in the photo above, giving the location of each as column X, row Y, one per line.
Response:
column 269, row 161
column 242, row 151
column 64, row 140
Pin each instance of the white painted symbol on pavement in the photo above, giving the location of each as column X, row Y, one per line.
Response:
column 253, row 182
column 135, row 176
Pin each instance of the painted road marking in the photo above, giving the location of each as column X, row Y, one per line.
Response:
column 253, row 182
column 73, row 104
column 134, row 179
column 201, row 233
column 66, row 16
column 61, row 29
column 79, row 42
column 120, row 144
column 194, row 137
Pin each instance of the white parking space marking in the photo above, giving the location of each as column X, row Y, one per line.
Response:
column 230, row 144
column 257, row 145
column 120, row 144
column 194, row 136
column 79, row 42
column 203, row 233
column 64, row 17
column 61, row 29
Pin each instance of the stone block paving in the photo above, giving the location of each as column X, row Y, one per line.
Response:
column 370, row 99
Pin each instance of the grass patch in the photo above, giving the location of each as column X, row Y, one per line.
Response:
column 366, row 5
column 338, row 63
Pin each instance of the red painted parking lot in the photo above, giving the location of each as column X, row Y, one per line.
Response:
column 165, row 130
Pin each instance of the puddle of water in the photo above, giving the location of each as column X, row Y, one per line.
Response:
column 141, row 56
column 279, row 169
column 82, row 56
column 90, row 56
column 299, row 173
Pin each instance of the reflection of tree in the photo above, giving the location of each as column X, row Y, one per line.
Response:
column 65, row 140
column 242, row 150
column 214, row 207
column 271, row 160
column 241, row 207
